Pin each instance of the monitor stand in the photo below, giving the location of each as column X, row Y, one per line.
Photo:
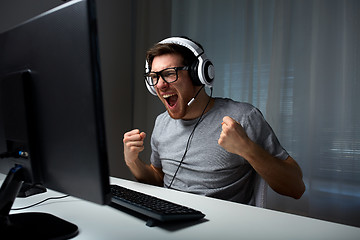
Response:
column 30, row 225
column 28, row 190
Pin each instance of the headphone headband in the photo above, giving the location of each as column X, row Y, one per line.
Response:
column 203, row 72
column 185, row 43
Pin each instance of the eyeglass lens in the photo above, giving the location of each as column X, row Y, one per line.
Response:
column 169, row 75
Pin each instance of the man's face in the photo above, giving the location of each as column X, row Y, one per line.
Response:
column 176, row 95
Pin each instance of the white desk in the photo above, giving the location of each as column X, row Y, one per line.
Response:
column 224, row 220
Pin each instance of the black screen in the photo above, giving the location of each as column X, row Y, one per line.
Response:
column 51, row 86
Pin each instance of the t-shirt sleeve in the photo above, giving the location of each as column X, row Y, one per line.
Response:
column 154, row 157
column 259, row 131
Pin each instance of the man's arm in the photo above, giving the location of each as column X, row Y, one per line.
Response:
column 133, row 145
column 283, row 176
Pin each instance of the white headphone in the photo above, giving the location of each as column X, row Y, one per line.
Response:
column 202, row 72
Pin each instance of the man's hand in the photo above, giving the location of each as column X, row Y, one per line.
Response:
column 233, row 138
column 133, row 145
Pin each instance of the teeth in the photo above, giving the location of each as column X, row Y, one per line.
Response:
column 168, row 95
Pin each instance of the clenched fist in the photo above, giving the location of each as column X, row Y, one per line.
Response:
column 133, row 144
column 233, row 138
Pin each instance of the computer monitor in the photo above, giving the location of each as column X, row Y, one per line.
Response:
column 52, row 130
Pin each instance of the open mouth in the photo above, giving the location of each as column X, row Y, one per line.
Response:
column 171, row 99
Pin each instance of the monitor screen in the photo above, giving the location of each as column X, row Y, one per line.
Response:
column 52, row 130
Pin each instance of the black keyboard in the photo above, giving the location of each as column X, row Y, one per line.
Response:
column 155, row 208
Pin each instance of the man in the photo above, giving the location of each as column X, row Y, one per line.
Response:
column 205, row 145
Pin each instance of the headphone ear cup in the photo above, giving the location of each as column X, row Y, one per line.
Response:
column 194, row 73
column 151, row 89
column 208, row 72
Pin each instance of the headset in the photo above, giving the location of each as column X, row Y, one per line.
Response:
column 202, row 71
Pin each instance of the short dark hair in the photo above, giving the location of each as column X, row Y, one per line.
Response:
column 171, row 48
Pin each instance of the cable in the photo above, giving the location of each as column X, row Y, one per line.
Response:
column 35, row 204
column 190, row 137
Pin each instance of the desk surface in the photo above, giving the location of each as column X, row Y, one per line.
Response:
column 223, row 220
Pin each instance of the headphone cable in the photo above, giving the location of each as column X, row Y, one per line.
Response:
column 190, row 137
column 38, row 203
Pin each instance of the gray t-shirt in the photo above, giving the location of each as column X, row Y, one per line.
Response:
column 208, row 169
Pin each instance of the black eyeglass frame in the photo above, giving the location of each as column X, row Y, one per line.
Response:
column 159, row 74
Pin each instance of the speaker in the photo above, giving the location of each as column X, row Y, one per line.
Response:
column 202, row 71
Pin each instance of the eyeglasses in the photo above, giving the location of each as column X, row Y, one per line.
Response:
column 169, row 75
